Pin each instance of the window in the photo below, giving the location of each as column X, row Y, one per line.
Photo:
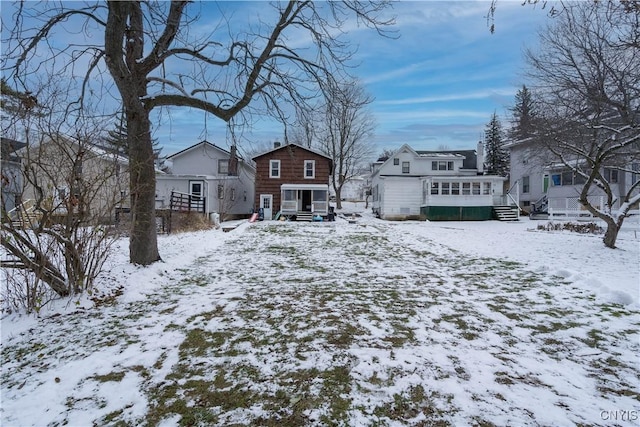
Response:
column 455, row 188
column 611, row 175
column 579, row 179
column 309, row 169
column 635, row 176
column 556, row 179
column 466, row 188
column 223, row 167
column 435, row 187
column 445, row 189
column 486, row 188
column 476, row 189
column 396, row 162
column 274, row 168
column 220, row 191
column 289, row 195
column 195, row 189
column 525, row 184
column 405, row 167
column 567, row 178
column 442, row 166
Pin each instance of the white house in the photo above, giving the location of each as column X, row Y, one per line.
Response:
column 545, row 183
column 218, row 180
column 436, row 185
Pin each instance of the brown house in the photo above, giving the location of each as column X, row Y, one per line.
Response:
column 292, row 181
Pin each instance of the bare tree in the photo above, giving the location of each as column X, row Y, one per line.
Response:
column 156, row 59
column 588, row 73
column 346, row 128
column 57, row 239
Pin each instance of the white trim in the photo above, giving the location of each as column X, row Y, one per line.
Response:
column 271, row 162
column 313, row 169
column 304, row 187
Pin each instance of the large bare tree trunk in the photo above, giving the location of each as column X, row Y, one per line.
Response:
column 143, row 244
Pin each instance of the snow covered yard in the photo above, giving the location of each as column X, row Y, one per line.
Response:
column 373, row 323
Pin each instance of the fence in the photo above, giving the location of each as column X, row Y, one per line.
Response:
column 182, row 202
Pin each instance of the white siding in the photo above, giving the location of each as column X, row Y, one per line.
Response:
column 400, row 197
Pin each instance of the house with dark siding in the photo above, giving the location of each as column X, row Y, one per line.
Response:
column 292, row 181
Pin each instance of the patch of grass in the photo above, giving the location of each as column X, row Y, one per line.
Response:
column 115, row 376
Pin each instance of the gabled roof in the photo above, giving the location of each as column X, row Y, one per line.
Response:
column 10, row 146
column 201, row 143
column 282, row 147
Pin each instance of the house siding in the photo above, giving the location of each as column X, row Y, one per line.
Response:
column 292, row 159
column 200, row 163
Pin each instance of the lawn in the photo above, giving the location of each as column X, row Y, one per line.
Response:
column 330, row 324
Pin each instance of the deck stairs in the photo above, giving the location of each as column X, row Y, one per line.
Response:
column 25, row 215
column 506, row 213
column 304, row 216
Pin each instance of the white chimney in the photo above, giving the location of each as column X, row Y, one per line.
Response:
column 480, row 158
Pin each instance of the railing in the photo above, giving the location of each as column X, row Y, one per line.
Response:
column 320, row 207
column 183, row 202
column 289, row 206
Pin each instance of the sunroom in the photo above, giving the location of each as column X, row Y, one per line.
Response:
column 297, row 198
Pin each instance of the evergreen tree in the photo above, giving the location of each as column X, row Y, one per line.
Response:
column 116, row 138
column 496, row 157
column 524, row 113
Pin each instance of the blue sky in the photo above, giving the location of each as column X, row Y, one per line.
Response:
column 435, row 85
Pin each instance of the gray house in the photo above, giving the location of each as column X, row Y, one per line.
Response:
column 547, row 184
column 219, row 179
column 12, row 179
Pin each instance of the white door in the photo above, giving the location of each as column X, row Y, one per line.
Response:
column 266, row 201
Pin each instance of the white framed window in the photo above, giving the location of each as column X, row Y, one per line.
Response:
column 274, row 168
column 196, row 189
column 525, row 184
column 611, row 175
column 223, row 166
column 435, row 188
column 455, row 188
column 475, row 189
column 309, row 169
column 396, row 161
column 405, row 167
column 486, row 188
column 466, row 188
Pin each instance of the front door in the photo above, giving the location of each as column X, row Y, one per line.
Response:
column 266, row 202
column 306, row 200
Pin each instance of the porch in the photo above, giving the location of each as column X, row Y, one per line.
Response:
column 304, row 199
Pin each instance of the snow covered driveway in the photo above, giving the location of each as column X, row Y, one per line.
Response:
column 373, row 323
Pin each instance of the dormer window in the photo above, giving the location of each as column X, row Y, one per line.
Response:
column 442, row 166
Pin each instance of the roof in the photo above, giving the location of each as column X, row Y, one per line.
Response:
column 11, row 145
column 204, row 142
column 294, row 145
column 470, row 156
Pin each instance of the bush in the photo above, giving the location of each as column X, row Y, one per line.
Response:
column 582, row 228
